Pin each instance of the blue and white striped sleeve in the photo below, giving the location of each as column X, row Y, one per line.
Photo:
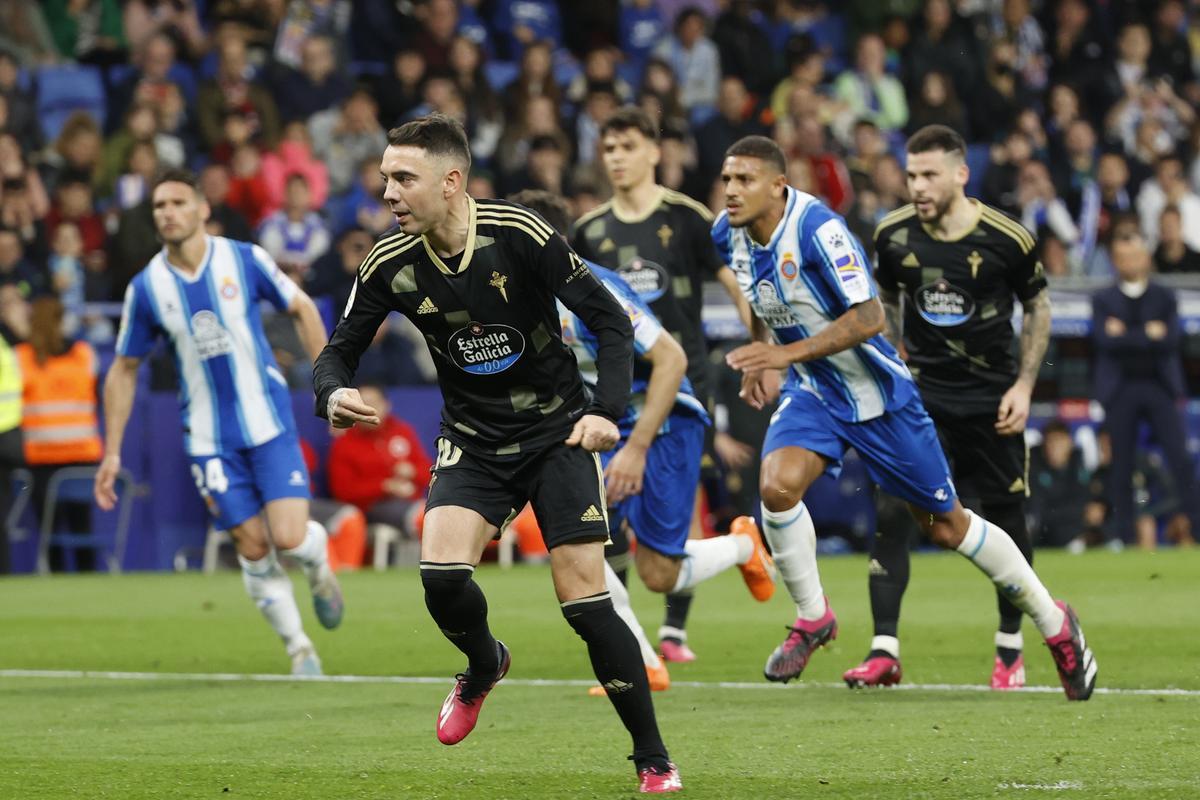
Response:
column 847, row 271
column 135, row 339
column 720, row 237
column 270, row 282
column 646, row 329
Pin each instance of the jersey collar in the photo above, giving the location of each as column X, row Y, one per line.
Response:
column 468, row 251
column 192, row 277
column 978, row 216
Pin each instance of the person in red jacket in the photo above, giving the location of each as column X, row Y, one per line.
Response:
column 383, row 469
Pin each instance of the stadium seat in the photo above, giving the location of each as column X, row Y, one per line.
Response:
column 74, row 484
column 63, row 90
column 978, row 156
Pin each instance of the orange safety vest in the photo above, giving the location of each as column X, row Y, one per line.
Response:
column 60, row 423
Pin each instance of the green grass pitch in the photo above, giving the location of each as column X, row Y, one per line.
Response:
column 180, row 737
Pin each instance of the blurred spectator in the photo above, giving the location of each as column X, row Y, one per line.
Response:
column 1004, row 167
column 889, row 183
column 249, row 193
column 811, row 20
column 383, row 469
column 828, row 170
column 545, row 167
column 131, row 247
column 333, row 274
column 133, row 184
column 73, row 202
column 399, row 92
column 869, row 91
column 540, row 119
column 294, row 156
column 734, row 119
column 806, row 67
column 295, row 236
column 59, row 423
column 20, row 110
column 20, row 184
column 1000, row 96
column 346, row 524
column 937, row 104
column 141, row 126
column 252, row 21
column 398, row 356
column 439, row 22
column 484, row 111
column 306, row 20
column 177, row 20
column 744, row 48
column 867, row 147
column 1077, row 51
column 77, row 149
column 24, row 36
column 1169, row 186
column 1016, row 28
column 12, row 446
column 1112, row 178
column 1042, row 208
column 1064, row 107
column 1173, row 254
column 695, row 59
column 523, row 22
column 233, row 90
column 1170, row 55
column 17, row 270
column 1058, row 488
column 150, row 81
column 342, row 137
column 316, row 84
column 1131, row 69
column 599, row 69
column 535, row 79
column 362, row 206
column 640, row 27
column 67, row 275
column 941, row 44
column 223, row 219
column 677, row 164
column 1138, row 374
column 598, row 106
column 87, row 31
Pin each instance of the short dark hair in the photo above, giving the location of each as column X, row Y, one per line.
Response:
column 436, row 134
column 630, row 118
column 762, row 148
column 552, row 207
column 176, row 175
column 937, row 137
column 1055, row 426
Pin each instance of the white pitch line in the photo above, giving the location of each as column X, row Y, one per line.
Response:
column 231, row 677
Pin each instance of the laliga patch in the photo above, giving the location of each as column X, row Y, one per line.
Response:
column 646, row 278
column 943, row 304
column 485, row 349
column 839, row 245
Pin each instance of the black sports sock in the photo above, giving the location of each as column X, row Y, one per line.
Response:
column 458, row 606
column 679, row 604
column 616, row 553
column 617, row 662
column 887, row 580
column 1011, row 517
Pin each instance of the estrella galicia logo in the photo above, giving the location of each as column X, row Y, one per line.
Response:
column 646, row 278
column 486, row 349
column 943, row 304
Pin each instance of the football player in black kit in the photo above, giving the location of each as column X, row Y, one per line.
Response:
column 958, row 264
column 479, row 279
column 658, row 240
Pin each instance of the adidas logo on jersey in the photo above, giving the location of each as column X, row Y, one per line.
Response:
column 427, row 307
column 592, row 515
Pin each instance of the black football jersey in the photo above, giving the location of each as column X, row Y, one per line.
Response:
column 489, row 316
column 958, row 303
column 665, row 256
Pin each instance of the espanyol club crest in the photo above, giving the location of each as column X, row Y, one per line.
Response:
column 229, row 289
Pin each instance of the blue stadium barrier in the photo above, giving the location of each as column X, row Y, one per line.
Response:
column 64, row 89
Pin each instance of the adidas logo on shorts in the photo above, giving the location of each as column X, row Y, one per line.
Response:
column 427, row 307
column 592, row 515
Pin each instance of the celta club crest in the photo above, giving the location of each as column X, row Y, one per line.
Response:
column 498, row 282
column 664, row 235
column 974, row 260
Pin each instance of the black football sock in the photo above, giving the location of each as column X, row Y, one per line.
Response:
column 617, row 663
column 886, row 582
column 1011, row 517
column 616, row 553
column 679, row 604
column 458, row 606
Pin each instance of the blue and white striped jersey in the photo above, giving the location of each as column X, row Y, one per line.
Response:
column 232, row 394
column 646, row 330
column 810, row 273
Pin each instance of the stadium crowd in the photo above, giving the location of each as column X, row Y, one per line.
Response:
column 1081, row 119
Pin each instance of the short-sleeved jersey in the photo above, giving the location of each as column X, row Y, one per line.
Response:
column 665, row 256
column 232, row 394
column 811, row 272
column 958, row 298
column 510, row 384
column 646, row 330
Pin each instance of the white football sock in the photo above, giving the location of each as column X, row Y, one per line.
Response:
column 271, row 590
column 311, row 552
column 993, row 551
column 793, row 541
column 621, row 604
column 1012, row 641
column 708, row 557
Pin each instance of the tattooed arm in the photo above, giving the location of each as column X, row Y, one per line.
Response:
column 1035, row 336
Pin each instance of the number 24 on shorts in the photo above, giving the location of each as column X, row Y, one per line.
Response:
column 211, row 478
